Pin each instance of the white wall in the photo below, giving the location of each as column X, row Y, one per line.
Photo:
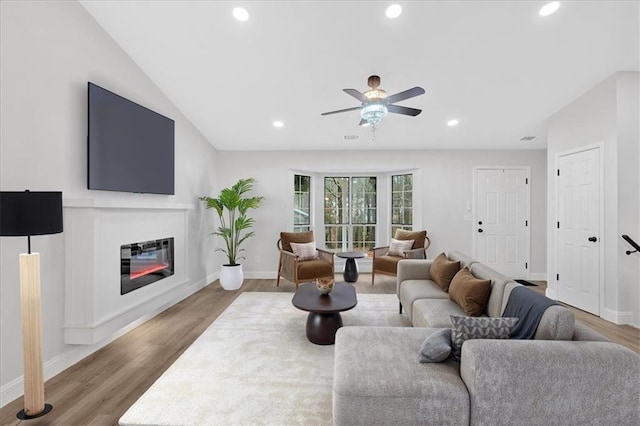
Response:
column 607, row 114
column 49, row 50
column 446, row 188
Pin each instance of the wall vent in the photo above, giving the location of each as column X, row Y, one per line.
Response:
column 527, row 138
column 351, row 137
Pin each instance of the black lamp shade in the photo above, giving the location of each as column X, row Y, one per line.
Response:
column 30, row 213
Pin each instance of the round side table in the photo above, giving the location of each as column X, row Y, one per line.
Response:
column 350, row 273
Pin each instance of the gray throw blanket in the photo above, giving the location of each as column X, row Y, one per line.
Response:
column 529, row 306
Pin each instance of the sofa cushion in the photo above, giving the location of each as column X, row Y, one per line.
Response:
column 467, row 328
column 418, row 237
column 443, row 270
column 412, row 290
column 383, row 384
column 469, row 292
column 434, row 313
column 436, row 347
column 498, row 281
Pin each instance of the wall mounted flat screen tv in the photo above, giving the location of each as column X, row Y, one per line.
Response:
column 130, row 147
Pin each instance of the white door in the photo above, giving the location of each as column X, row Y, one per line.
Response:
column 579, row 230
column 502, row 220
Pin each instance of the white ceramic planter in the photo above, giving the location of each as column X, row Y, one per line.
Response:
column 231, row 277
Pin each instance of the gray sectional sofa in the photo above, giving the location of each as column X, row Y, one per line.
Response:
column 567, row 374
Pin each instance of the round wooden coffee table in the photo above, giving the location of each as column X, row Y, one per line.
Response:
column 324, row 310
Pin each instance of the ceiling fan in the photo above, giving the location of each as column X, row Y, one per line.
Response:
column 376, row 104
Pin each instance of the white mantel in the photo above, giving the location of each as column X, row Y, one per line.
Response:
column 94, row 232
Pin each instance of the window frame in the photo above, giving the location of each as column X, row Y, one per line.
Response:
column 302, row 227
column 401, row 225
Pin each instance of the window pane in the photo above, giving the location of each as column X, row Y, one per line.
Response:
column 335, row 238
column 364, row 200
column 301, row 200
column 336, row 200
column 401, row 202
column 364, row 238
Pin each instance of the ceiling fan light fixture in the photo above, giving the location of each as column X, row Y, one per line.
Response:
column 373, row 113
column 375, row 94
column 393, row 11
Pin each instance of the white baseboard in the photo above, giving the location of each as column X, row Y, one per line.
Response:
column 618, row 317
column 15, row 388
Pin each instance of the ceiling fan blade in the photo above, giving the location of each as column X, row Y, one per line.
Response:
column 340, row 110
column 409, row 93
column 359, row 96
column 364, row 123
column 403, row 110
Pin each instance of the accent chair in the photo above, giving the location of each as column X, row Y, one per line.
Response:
column 386, row 263
column 299, row 267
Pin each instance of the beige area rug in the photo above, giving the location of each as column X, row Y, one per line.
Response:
column 254, row 365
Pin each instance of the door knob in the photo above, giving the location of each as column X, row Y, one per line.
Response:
column 593, row 239
column 480, row 230
column 479, row 222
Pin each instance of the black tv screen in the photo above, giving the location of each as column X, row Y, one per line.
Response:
column 130, row 147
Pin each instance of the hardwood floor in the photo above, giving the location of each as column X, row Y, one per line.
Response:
column 100, row 388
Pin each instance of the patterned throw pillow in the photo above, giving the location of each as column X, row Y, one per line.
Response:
column 467, row 328
column 305, row 251
column 398, row 247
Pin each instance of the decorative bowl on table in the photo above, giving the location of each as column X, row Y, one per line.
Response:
column 325, row 285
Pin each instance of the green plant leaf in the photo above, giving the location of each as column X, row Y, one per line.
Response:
column 232, row 207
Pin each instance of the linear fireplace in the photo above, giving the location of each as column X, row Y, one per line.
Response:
column 145, row 262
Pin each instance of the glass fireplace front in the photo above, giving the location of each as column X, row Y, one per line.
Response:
column 145, row 262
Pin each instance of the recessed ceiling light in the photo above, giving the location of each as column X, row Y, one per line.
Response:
column 452, row 122
column 241, row 14
column 393, row 11
column 549, row 8
column 278, row 124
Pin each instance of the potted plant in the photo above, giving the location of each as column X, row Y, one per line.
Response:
column 232, row 207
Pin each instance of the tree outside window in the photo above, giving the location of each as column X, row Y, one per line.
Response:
column 301, row 203
column 401, row 202
column 350, row 213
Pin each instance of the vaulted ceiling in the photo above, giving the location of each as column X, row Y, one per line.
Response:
column 498, row 67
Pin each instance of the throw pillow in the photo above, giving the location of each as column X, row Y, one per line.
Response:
column 443, row 270
column 398, row 247
column 286, row 238
column 305, row 251
column 418, row 237
column 470, row 293
column 436, row 347
column 467, row 328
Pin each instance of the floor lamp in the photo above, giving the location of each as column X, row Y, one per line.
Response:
column 23, row 214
